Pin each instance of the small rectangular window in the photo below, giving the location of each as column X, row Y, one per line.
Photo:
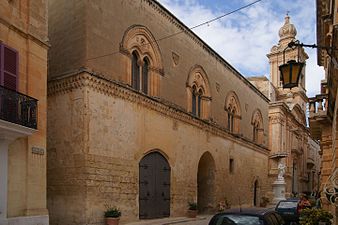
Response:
column 231, row 165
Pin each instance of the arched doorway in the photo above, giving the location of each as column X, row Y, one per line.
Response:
column 206, row 183
column 256, row 194
column 154, row 186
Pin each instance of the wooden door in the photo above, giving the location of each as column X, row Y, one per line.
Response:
column 154, row 187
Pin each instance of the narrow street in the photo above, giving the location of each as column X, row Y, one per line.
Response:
column 200, row 220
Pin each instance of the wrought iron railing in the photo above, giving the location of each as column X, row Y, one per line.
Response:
column 18, row 108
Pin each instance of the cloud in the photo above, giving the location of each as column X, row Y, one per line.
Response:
column 244, row 38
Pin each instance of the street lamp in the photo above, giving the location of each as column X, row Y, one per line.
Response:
column 290, row 71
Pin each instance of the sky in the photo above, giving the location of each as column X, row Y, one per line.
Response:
column 244, row 38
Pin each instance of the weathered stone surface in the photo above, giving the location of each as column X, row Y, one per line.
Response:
column 100, row 128
column 122, row 127
column 23, row 27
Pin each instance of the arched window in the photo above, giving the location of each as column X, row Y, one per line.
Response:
column 139, row 73
column 196, row 101
column 255, row 131
column 257, row 126
column 142, row 54
column 199, row 102
column 193, row 100
column 230, row 120
column 198, row 93
column 232, row 109
column 145, row 71
column 135, row 71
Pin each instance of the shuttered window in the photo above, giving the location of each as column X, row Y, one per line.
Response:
column 9, row 62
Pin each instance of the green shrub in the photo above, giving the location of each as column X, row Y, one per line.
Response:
column 314, row 216
column 192, row 205
column 112, row 212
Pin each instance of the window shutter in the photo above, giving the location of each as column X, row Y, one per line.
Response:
column 10, row 68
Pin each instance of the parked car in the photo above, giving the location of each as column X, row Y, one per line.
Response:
column 288, row 209
column 247, row 216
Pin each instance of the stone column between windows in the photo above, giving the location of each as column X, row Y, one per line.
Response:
column 3, row 178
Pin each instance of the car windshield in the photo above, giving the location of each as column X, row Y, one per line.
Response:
column 287, row 205
column 233, row 219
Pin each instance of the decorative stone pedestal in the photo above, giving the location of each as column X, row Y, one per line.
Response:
column 278, row 188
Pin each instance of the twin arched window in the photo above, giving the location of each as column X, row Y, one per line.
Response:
column 257, row 125
column 140, row 73
column 196, row 101
column 231, row 119
column 142, row 59
column 198, row 92
column 232, row 108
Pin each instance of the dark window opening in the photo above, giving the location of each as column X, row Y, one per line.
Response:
column 135, row 71
column 231, row 165
column 145, row 71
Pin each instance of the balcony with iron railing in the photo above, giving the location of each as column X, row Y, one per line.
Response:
column 17, row 110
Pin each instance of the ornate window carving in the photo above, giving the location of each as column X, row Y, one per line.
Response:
column 198, row 93
column 233, row 111
column 142, row 60
column 257, row 124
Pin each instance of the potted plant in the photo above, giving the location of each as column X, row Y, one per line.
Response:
column 112, row 216
column 192, row 210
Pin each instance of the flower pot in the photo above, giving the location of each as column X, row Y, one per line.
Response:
column 112, row 221
column 191, row 213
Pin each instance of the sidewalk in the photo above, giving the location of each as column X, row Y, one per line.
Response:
column 201, row 219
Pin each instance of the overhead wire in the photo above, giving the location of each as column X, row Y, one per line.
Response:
column 182, row 31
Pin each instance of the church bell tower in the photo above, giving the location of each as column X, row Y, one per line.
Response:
column 281, row 54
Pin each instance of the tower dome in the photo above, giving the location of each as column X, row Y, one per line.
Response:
column 288, row 30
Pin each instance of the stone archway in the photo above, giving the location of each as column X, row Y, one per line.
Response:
column 206, row 183
column 154, row 186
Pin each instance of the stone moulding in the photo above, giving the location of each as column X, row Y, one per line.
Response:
column 86, row 79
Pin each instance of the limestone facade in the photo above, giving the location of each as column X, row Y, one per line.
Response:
column 120, row 93
column 290, row 140
column 323, row 107
column 23, row 75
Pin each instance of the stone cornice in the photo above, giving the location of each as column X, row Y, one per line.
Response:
column 86, row 79
column 180, row 25
column 24, row 34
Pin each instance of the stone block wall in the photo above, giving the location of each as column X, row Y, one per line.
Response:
column 99, row 132
column 23, row 27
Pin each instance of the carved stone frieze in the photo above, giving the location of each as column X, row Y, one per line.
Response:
column 276, row 119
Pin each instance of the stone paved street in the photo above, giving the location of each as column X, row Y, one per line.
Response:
column 200, row 220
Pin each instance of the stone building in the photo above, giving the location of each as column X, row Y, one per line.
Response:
column 323, row 107
column 146, row 120
column 23, row 95
column 290, row 141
